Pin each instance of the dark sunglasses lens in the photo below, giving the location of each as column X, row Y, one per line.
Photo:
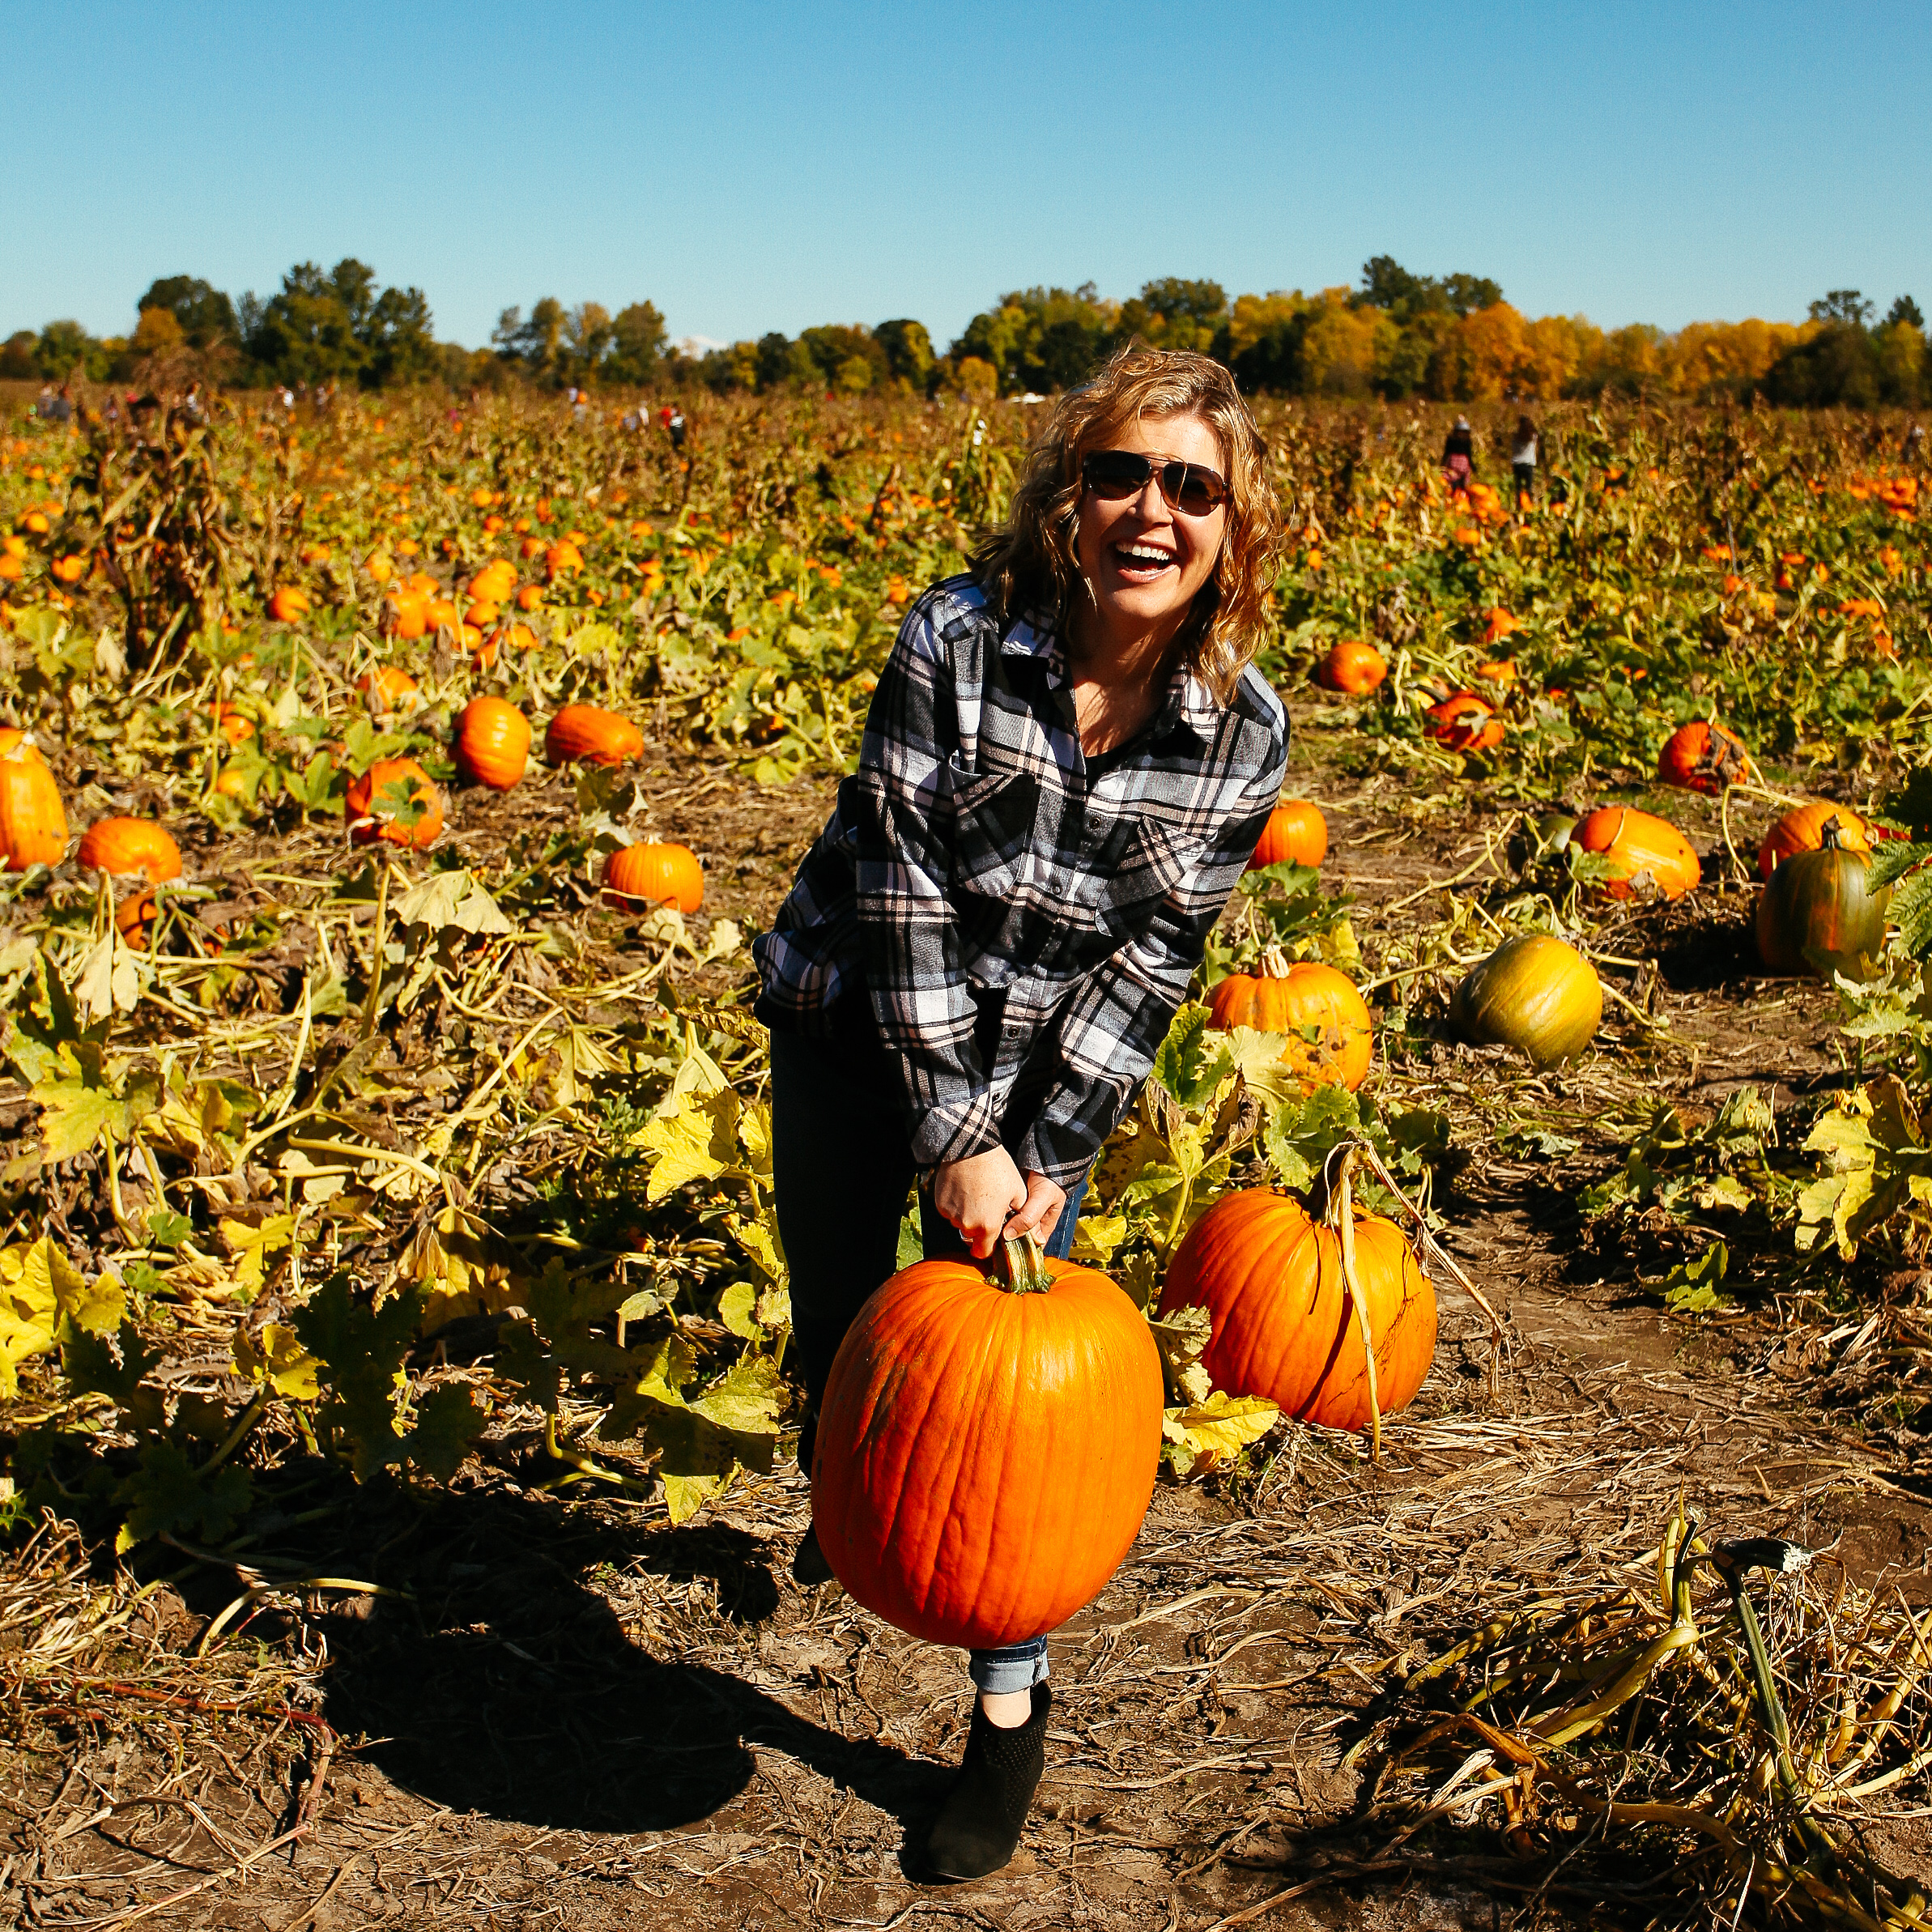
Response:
column 1115, row 472
column 1190, row 490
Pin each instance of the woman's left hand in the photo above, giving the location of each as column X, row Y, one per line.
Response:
column 1039, row 1213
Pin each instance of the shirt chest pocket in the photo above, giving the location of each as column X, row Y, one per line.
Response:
column 1124, row 894
column 993, row 831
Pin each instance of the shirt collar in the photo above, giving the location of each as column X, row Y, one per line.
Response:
column 1186, row 701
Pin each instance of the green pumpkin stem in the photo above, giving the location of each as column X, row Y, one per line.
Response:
column 1022, row 1266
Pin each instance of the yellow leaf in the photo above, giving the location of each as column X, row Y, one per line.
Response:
column 278, row 1359
column 1095, row 1236
column 1222, row 1425
column 759, row 1240
column 698, row 1143
column 734, row 1310
column 252, row 1246
column 755, row 1134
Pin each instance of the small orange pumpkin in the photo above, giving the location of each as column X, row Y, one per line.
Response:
column 1465, row 722
column 1703, row 757
column 493, row 743
column 1639, row 846
column 596, row 736
column 234, row 724
column 33, row 823
column 1295, row 830
column 387, row 687
column 289, row 603
column 121, row 846
column 660, row 874
column 396, row 802
column 1298, row 1000
column 1352, row 665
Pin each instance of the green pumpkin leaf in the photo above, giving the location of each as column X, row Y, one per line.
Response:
column 447, row 1422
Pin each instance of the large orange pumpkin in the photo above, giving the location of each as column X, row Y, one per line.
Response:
column 1329, row 1035
column 1639, row 846
column 1703, row 757
column 1285, row 1323
column 986, row 1450
column 660, row 875
column 1295, row 830
column 33, row 823
column 1352, row 665
column 1803, row 831
column 493, row 743
column 596, row 736
column 374, row 802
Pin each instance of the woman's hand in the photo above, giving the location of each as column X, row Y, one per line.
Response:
column 1041, row 1215
column 978, row 1194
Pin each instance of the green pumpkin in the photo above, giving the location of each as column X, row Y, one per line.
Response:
column 1817, row 913
column 1534, row 994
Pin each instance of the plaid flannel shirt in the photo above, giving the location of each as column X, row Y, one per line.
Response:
column 978, row 855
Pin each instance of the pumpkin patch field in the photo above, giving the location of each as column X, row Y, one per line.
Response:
column 1528, row 1221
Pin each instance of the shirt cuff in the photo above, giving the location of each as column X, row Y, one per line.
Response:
column 955, row 1131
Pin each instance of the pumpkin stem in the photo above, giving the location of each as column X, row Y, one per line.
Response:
column 1275, row 962
column 1828, row 838
column 1022, row 1266
column 1342, row 1218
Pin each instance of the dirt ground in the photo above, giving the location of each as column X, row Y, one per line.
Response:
column 539, row 1715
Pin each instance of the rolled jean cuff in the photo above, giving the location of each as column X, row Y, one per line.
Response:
column 1015, row 1667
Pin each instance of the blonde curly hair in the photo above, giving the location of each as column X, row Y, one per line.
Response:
column 1030, row 566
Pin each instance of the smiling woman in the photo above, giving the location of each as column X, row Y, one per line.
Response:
column 1066, row 766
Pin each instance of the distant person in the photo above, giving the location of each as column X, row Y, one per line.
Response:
column 63, row 404
column 1912, row 450
column 43, row 406
column 1459, row 456
column 673, row 419
column 1522, row 459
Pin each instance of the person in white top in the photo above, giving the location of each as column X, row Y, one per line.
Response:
column 1522, row 459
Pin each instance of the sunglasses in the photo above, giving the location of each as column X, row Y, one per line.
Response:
column 1188, row 488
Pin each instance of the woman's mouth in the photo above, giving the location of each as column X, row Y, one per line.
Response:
column 1141, row 563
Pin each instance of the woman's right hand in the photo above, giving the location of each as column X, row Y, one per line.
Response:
column 978, row 1195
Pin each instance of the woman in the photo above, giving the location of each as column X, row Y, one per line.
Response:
column 1066, row 766
column 1522, row 461
column 1459, row 456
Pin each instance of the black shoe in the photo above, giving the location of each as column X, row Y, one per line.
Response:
column 809, row 1566
column 978, row 1826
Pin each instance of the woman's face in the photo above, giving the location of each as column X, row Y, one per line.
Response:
column 1143, row 561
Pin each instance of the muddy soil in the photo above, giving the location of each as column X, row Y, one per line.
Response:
column 577, row 1716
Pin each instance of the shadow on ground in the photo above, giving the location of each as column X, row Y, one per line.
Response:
column 510, row 1688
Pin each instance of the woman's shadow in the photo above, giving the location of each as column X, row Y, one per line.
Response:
column 510, row 1688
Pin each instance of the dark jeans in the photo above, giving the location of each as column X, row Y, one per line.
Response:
column 841, row 1168
column 1526, row 479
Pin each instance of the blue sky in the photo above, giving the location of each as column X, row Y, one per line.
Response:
column 756, row 167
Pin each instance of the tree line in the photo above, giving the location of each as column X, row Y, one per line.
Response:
column 1396, row 334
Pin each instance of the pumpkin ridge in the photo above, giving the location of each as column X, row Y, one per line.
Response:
column 910, row 1481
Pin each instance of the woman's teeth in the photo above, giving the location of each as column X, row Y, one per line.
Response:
column 1140, row 557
